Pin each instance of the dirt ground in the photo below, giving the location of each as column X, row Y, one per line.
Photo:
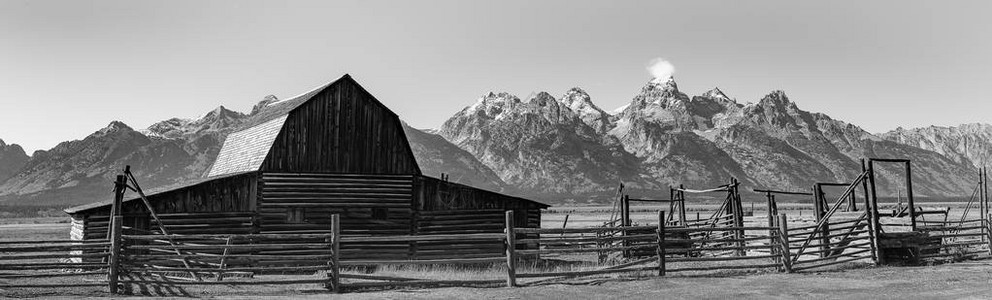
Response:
column 963, row 280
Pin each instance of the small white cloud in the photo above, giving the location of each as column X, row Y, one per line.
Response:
column 661, row 69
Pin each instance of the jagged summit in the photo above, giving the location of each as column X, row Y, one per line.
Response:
column 262, row 104
column 776, row 97
column 581, row 103
column 663, row 85
column 222, row 112
column 214, row 121
column 220, row 115
column 542, row 99
column 656, row 101
column 578, row 100
column 493, row 104
column 716, row 93
column 115, row 126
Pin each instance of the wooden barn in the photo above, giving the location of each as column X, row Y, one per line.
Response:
column 333, row 150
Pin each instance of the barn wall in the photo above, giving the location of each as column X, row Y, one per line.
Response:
column 223, row 205
column 451, row 208
column 437, row 195
column 367, row 205
column 342, row 129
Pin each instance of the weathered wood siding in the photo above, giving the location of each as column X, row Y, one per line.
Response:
column 437, row 195
column 342, row 129
column 222, row 205
column 460, row 222
column 451, row 208
column 303, row 203
column 367, row 205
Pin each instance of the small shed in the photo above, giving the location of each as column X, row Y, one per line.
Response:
column 333, row 150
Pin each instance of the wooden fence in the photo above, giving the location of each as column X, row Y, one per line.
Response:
column 165, row 261
column 955, row 239
column 835, row 242
column 46, row 263
column 659, row 249
column 224, row 259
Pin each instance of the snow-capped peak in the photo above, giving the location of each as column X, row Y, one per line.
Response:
column 580, row 102
column 665, row 85
column 493, row 104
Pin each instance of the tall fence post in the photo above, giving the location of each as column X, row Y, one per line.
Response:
column 909, row 196
column 661, row 243
column 625, row 223
column 988, row 231
column 738, row 211
column 511, row 254
column 871, row 213
column 875, row 222
column 783, row 226
column 772, row 232
column 334, row 273
column 113, row 275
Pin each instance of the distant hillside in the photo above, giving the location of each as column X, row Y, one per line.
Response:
column 12, row 159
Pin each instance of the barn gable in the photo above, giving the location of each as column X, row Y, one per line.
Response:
column 342, row 129
column 336, row 128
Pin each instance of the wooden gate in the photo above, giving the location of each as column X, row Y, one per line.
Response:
column 55, row 265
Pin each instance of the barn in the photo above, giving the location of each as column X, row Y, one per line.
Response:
column 333, row 150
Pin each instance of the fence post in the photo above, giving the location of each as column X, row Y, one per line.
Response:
column 333, row 274
column 625, row 203
column 511, row 254
column 772, row 232
column 661, row 243
column 783, row 226
column 115, row 254
column 879, row 254
column 988, row 230
column 739, row 216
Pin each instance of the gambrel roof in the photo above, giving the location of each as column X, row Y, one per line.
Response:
column 247, row 149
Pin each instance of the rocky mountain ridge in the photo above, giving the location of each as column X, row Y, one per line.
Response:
column 964, row 143
column 12, row 158
column 667, row 138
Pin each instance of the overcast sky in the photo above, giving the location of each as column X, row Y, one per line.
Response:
column 68, row 68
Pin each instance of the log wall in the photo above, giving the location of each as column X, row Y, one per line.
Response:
column 219, row 205
column 451, row 208
column 367, row 205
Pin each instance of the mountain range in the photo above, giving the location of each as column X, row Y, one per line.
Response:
column 561, row 149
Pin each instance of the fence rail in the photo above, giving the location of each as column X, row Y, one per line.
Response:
column 145, row 259
column 27, row 260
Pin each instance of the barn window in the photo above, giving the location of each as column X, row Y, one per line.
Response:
column 379, row 213
column 295, row 215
